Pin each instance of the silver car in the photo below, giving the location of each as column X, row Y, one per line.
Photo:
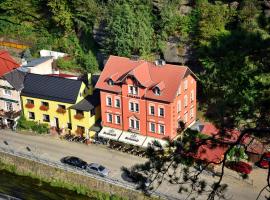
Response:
column 97, row 169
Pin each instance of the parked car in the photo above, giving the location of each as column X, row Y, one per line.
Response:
column 74, row 161
column 97, row 169
column 264, row 161
column 240, row 167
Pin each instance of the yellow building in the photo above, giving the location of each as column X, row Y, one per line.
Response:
column 66, row 105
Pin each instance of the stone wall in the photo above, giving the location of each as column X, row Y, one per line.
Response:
column 50, row 173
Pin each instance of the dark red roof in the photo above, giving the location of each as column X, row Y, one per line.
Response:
column 7, row 63
column 168, row 76
column 211, row 152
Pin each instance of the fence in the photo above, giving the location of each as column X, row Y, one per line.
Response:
column 79, row 171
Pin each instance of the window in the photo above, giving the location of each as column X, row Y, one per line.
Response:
column 46, row 104
column 7, row 92
column 9, row 106
column 109, row 101
column 79, row 112
column 134, row 124
column 178, row 106
column 31, row 115
column 117, row 119
column 185, row 84
column 152, row 127
column 133, row 90
column 61, row 106
column 157, row 91
column 161, row 112
column 110, row 82
column 191, row 113
column 152, row 110
column 185, row 101
column 30, row 101
column 192, row 96
column 134, row 107
column 179, row 91
column 161, row 129
column 117, row 103
column 109, row 118
column 186, row 117
column 46, row 118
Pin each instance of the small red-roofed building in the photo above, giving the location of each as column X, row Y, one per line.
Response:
column 142, row 100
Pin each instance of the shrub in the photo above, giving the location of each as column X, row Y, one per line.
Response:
column 31, row 125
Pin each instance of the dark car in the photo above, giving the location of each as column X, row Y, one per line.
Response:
column 240, row 167
column 264, row 162
column 74, row 161
column 97, row 169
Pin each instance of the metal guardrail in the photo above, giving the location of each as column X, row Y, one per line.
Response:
column 64, row 167
column 7, row 197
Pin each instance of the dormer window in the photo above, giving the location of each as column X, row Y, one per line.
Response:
column 157, row 91
column 110, row 82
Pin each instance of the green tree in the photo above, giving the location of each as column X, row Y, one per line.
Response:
column 129, row 29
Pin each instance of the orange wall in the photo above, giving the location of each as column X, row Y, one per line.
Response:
column 170, row 120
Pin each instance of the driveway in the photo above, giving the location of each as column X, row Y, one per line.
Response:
column 54, row 149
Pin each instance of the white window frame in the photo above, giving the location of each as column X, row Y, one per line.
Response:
column 185, row 101
column 159, row 111
column 150, row 113
column 9, row 106
column 108, row 118
column 107, row 102
column 191, row 114
column 116, row 117
column 185, row 84
column 179, row 106
column 135, row 124
column 159, row 129
column 7, row 92
column 135, row 104
column 192, row 96
column 186, row 117
column 179, row 90
column 134, row 90
column 115, row 104
column 150, row 127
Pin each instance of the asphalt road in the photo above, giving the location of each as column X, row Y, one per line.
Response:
column 54, row 149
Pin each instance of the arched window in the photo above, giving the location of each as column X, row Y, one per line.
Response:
column 157, row 91
column 110, row 82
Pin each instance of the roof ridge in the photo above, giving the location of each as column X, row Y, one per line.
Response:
column 56, row 77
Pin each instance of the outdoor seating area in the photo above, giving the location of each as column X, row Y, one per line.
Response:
column 126, row 148
column 74, row 138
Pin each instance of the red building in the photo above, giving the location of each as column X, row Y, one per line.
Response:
column 148, row 99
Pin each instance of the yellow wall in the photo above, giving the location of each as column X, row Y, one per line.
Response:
column 53, row 105
column 87, row 122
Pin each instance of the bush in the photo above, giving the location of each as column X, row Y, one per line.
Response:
column 31, row 125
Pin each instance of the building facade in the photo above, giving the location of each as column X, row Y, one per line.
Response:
column 64, row 104
column 146, row 99
column 10, row 86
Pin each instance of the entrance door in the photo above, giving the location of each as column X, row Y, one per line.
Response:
column 56, row 122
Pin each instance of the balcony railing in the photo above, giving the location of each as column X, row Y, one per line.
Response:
column 78, row 116
column 61, row 110
column 29, row 105
column 44, row 108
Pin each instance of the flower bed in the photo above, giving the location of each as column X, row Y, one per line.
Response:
column 44, row 108
column 29, row 105
column 61, row 110
column 78, row 116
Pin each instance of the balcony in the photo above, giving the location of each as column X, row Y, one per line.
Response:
column 61, row 110
column 44, row 108
column 29, row 105
column 78, row 116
